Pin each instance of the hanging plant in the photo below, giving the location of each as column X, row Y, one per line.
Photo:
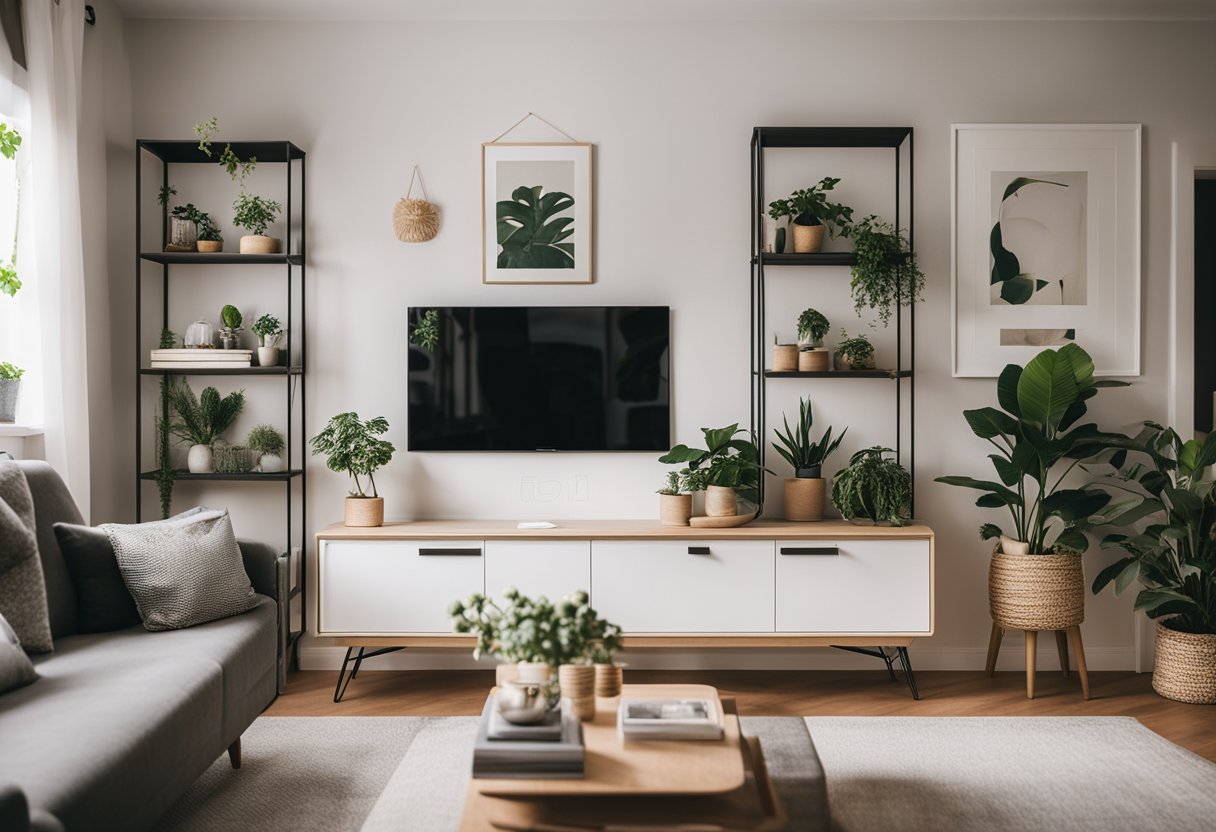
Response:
column 886, row 273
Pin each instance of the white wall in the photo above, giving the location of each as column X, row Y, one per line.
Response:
column 670, row 107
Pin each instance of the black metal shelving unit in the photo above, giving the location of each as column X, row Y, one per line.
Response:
column 292, row 262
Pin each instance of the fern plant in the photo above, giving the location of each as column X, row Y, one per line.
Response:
column 203, row 419
column 886, row 275
column 873, row 487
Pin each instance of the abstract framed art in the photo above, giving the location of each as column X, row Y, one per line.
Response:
column 1046, row 244
column 537, row 212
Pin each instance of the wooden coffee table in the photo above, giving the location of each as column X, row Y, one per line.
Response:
column 718, row 784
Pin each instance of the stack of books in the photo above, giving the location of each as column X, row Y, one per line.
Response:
column 670, row 719
column 201, row 359
column 549, row 750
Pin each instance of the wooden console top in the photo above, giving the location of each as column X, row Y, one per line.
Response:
column 621, row 530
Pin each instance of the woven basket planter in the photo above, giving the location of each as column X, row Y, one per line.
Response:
column 1185, row 669
column 1036, row 592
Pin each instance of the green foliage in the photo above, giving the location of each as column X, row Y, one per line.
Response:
column 266, row 440
column 201, row 219
column 1173, row 556
column 886, row 275
column 529, row 236
column 523, row 629
column 1035, row 433
column 237, row 169
column 796, row 446
column 166, row 191
column 204, row 130
column 425, row 332
column 200, row 421
column 679, row 482
column 10, row 372
column 352, row 447
column 858, row 350
column 254, row 214
column 168, row 339
column 726, row 462
column 10, row 141
column 231, row 316
column 9, row 282
column 810, row 206
column 873, row 487
column 166, row 474
column 812, row 326
column 1016, row 287
column 268, row 329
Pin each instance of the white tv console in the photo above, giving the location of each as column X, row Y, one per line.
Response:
column 767, row 584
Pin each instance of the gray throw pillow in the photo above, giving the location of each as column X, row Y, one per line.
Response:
column 182, row 572
column 22, row 588
column 16, row 669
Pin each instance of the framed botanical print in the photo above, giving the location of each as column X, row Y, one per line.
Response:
column 537, row 213
column 1046, row 244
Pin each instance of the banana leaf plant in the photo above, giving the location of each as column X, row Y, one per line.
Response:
column 796, row 448
column 1016, row 287
column 1038, row 442
column 726, row 461
column 531, row 233
column 1174, row 556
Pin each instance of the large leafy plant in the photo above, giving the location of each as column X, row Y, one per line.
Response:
column 810, row 206
column 353, row 447
column 1016, row 287
column 873, row 487
column 530, row 232
column 1038, row 442
column 885, row 275
column 727, row 462
column 202, row 420
column 1174, row 556
column 523, row 629
column 796, row 446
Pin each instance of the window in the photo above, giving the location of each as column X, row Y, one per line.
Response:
column 19, row 344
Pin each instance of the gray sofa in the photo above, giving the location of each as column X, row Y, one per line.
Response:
column 121, row 723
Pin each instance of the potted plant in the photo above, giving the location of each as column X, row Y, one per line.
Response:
column 353, row 447
column 183, row 231
column 725, row 470
column 268, row 444
column 812, row 326
column 885, row 275
column 1035, row 580
column 873, row 489
column 10, row 390
column 780, row 209
column 675, row 500
column 269, row 331
column 608, row 673
column 1173, row 557
column 202, row 420
column 813, row 214
column 230, row 333
column 254, row 214
column 855, row 353
column 209, row 238
column 804, row 492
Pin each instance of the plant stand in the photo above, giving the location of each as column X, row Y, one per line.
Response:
column 1063, row 637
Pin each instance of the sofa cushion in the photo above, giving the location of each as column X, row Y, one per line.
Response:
column 53, row 504
column 22, row 590
column 16, row 669
column 103, row 601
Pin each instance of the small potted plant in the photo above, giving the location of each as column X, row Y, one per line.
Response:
column 886, row 274
column 873, row 489
column 813, row 214
column 779, row 210
column 202, row 420
column 230, row 333
column 268, row 444
column 209, row 240
column 10, row 390
column 675, row 500
column 353, row 447
column 726, row 469
column 812, row 326
column 804, row 492
column 255, row 214
column 854, row 353
column 183, row 231
column 269, row 331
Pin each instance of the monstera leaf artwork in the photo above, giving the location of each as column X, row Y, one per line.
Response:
column 531, row 232
column 1016, row 287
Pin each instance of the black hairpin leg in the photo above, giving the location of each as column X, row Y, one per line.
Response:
column 345, row 680
column 907, row 664
column 901, row 653
column 879, row 653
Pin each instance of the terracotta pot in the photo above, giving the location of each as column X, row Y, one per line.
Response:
column 199, row 460
column 1185, row 667
column 210, row 246
column 808, row 239
column 268, row 356
column 608, row 680
column 675, row 509
column 804, row 498
column 1036, row 592
column 721, row 501
column 813, row 360
column 577, row 683
column 364, row 512
column 785, row 358
column 259, row 244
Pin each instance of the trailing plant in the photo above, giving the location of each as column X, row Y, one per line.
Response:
column 523, row 629
column 810, row 206
column 204, row 131
column 796, row 446
column 254, row 213
column 727, row 462
column 886, row 275
column 1038, row 443
column 166, row 474
column 202, row 420
column 269, row 330
column 1174, row 556
column 266, row 440
column 232, row 163
column 425, row 332
column 531, row 234
column 812, row 326
column 857, row 350
column 353, row 447
column 166, row 191
column 10, row 143
column 873, row 487
column 10, row 372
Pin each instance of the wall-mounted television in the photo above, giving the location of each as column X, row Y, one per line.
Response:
column 541, row 378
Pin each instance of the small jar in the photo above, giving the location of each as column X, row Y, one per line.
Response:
column 199, row 336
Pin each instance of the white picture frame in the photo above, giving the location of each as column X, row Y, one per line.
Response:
column 1045, row 244
column 565, row 169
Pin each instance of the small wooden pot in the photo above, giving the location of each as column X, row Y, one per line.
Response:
column 808, row 239
column 608, row 680
column 785, row 358
column 814, row 360
column 364, row 512
column 675, row 509
column 259, row 244
column 210, row 246
column 804, row 498
column 721, row 501
column 1036, row 592
column 1185, row 667
column 577, row 683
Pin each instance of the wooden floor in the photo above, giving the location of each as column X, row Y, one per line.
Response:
column 790, row 693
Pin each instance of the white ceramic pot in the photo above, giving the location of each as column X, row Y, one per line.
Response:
column 533, row 673
column 198, row 461
column 271, row 463
column 259, row 244
column 268, row 356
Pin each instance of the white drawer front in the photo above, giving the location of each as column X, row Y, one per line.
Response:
column 552, row 568
column 395, row 586
column 659, row 587
column 868, row 586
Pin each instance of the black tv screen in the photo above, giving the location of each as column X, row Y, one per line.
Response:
column 540, row 378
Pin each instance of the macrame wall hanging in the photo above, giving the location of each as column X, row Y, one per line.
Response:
column 415, row 220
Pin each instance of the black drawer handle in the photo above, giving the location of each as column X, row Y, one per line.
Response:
column 468, row 553
column 698, row 550
column 810, row 550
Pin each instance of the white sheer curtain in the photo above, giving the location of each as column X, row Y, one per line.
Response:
column 54, row 43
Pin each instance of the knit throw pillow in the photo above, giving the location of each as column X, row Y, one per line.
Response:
column 16, row 669
column 22, row 588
